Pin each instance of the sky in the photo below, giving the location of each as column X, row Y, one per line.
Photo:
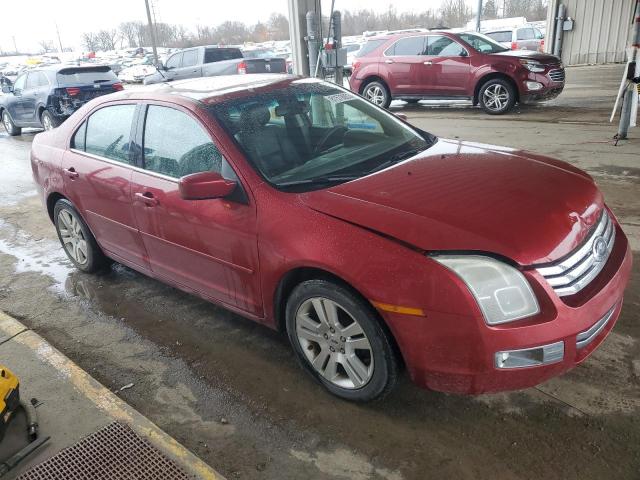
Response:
column 74, row 17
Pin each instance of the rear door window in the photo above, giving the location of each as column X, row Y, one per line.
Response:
column 212, row 55
column 190, row 58
column 176, row 145
column 20, row 83
column 441, row 46
column 108, row 132
column 410, row 46
column 77, row 141
column 501, row 36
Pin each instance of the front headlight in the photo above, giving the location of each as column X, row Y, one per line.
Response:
column 502, row 292
column 532, row 65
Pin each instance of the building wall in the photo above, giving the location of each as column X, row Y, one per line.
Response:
column 601, row 30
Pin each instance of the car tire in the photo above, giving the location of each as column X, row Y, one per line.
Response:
column 48, row 121
column 377, row 93
column 9, row 126
column 76, row 239
column 349, row 352
column 497, row 96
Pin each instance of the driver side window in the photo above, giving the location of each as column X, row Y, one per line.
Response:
column 174, row 61
column 20, row 83
column 176, row 145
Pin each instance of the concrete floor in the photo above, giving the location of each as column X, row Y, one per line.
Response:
column 230, row 390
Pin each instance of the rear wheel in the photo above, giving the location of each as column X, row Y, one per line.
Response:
column 9, row 126
column 77, row 240
column 497, row 96
column 48, row 121
column 338, row 339
column 376, row 92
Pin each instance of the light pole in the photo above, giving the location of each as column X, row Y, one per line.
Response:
column 152, row 33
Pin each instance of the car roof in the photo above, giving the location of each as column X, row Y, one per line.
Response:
column 389, row 36
column 209, row 90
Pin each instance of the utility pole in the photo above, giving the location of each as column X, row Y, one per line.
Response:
column 15, row 47
column 59, row 41
column 631, row 88
column 152, row 33
column 479, row 16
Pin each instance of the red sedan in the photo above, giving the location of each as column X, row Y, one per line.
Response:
column 371, row 243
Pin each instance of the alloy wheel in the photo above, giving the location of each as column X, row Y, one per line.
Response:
column 46, row 122
column 334, row 343
column 72, row 236
column 375, row 94
column 496, row 97
column 7, row 121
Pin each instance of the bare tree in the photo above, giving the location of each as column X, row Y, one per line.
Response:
column 107, row 39
column 46, row 46
column 455, row 13
column 490, row 10
column 278, row 26
column 128, row 32
column 90, row 41
column 231, row 33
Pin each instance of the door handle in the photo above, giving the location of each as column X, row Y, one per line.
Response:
column 388, row 61
column 147, row 198
column 428, row 62
column 71, row 173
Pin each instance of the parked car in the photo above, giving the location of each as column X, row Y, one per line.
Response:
column 45, row 97
column 213, row 61
column 136, row 73
column 454, row 66
column 526, row 37
column 371, row 243
column 352, row 51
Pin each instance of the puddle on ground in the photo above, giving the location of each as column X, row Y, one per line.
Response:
column 41, row 256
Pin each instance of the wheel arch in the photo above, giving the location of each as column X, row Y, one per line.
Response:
column 490, row 76
column 373, row 78
column 52, row 199
column 296, row 276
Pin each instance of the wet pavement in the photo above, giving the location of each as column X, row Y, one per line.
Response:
column 230, row 389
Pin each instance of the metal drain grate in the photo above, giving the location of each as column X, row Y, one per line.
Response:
column 113, row 453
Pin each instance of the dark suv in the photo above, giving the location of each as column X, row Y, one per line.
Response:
column 454, row 66
column 45, row 97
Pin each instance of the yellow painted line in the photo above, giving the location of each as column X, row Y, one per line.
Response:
column 386, row 307
column 107, row 401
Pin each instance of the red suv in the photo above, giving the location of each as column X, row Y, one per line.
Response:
column 454, row 66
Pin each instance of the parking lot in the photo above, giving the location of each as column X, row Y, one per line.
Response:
column 230, row 390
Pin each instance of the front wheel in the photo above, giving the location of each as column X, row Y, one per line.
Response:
column 377, row 93
column 9, row 126
column 497, row 96
column 340, row 342
column 77, row 240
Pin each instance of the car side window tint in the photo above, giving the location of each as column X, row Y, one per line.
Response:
column 176, row 145
column 108, row 132
column 440, row 46
column 20, row 83
column 174, row 61
column 32, row 80
column 409, row 46
column 501, row 36
column 190, row 58
column 78, row 139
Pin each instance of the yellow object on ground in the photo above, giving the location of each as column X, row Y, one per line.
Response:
column 9, row 397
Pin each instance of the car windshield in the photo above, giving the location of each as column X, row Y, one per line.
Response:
column 310, row 134
column 481, row 43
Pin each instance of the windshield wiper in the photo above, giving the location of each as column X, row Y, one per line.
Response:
column 319, row 180
column 398, row 157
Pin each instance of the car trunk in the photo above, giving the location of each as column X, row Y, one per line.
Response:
column 86, row 83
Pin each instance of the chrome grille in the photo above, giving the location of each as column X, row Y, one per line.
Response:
column 575, row 272
column 585, row 338
column 557, row 75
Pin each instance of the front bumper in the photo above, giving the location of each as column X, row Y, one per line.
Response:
column 443, row 353
column 550, row 88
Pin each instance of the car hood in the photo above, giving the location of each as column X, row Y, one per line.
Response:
column 462, row 196
column 545, row 58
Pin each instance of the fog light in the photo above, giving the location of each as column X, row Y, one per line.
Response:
column 530, row 357
column 534, row 86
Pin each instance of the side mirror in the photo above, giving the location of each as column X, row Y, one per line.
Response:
column 401, row 116
column 7, row 88
column 204, row 186
column 464, row 53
